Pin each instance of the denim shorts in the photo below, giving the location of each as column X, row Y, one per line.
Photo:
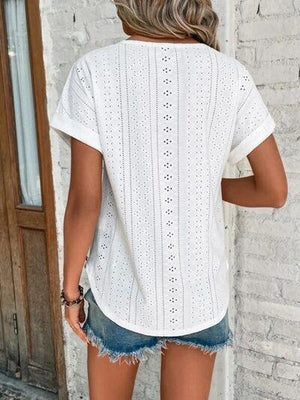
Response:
column 121, row 344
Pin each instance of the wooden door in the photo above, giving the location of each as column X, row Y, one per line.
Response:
column 31, row 346
column 9, row 346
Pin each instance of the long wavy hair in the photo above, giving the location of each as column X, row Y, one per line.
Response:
column 171, row 18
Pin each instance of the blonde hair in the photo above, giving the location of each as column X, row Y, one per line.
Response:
column 171, row 18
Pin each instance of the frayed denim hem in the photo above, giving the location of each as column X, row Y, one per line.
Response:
column 206, row 349
column 143, row 353
column 132, row 357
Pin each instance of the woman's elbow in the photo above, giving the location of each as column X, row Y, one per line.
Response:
column 84, row 205
column 279, row 196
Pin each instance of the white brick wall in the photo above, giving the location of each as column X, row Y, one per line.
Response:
column 271, row 7
column 266, row 269
column 267, row 254
column 70, row 29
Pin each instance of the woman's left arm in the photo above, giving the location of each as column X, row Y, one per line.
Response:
column 267, row 187
column 80, row 220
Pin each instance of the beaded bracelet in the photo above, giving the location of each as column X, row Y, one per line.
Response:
column 70, row 303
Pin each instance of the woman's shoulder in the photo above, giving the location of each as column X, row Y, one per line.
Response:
column 227, row 59
column 241, row 71
column 100, row 51
column 91, row 57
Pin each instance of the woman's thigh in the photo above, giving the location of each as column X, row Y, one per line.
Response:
column 186, row 372
column 113, row 356
column 110, row 380
column 188, row 362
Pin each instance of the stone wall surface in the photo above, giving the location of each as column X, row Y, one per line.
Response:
column 267, row 241
column 70, row 29
column 266, row 256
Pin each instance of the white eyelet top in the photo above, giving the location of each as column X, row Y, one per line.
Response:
column 166, row 118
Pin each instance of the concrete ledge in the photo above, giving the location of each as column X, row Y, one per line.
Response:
column 13, row 389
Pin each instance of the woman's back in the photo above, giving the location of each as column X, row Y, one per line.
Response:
column 166, row 117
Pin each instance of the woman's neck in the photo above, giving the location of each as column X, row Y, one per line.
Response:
column 166, row 39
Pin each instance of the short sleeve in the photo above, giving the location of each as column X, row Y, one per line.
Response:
column 254, row 122
column 75, row 113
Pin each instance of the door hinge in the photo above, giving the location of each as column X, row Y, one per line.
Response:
column 15, row 321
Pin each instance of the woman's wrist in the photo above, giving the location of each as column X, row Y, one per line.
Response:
column 71, row 293
column 73, row 299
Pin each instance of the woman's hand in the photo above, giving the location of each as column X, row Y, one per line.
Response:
column 75, row 316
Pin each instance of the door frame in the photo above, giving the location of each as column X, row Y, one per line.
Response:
column 12, row 187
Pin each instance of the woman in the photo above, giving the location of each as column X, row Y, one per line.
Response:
column 153, row 120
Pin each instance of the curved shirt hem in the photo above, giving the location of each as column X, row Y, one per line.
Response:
column 152, row 332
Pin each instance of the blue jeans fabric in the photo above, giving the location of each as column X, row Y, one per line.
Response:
column 121, row 344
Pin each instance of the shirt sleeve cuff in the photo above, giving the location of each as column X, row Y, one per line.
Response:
column 252, row 141
column 75, row 129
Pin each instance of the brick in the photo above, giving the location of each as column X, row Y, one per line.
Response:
column 271, row 348
column 152, row 362
column 64, row 23
column 254, row 211
column 139, row 389
column 150, row 395
column 271, row 7
column 112, row 30
column 281, row 96
column 287, row 330
column 245, row 55
column 276, row 73
column 294, row 184
column 147, row 376
column 257, row 286
column 50, row 5
column 287, row 121
column 80, row 38
column 251, row 245
column 252, row 324
column 249, row 9
column 248, row 360
column 292, row 209
column 289, row 251
column 269, row 386
column 271, row 51
column 267, row 267
column 289, row 146
column 297, row 4
column 246, row 395
column 288, row 371
column 291, row 291
column 269, row 29
column 266, row 226
column 277, row 310
column 103, row 13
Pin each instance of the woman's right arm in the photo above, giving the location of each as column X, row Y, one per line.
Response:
column 267, row 187
column 81, row 216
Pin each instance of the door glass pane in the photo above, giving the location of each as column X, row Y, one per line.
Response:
column 18, row 51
